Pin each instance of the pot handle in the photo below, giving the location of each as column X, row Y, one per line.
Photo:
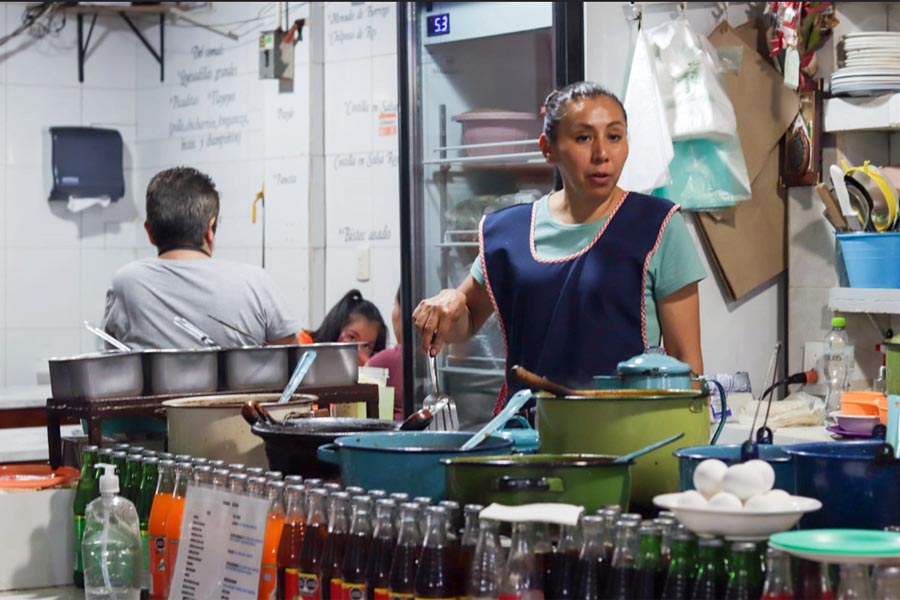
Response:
column 709, row 380
column 328, row 453
column 506, row 483
column 517, row 422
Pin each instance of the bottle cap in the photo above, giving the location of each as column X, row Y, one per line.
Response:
column 109, row 482
column 838, row 322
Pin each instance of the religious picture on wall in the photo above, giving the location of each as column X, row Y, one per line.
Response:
column 801, row 155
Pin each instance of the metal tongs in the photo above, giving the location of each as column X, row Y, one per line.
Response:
column 750, row 448
column 195, row 332
column 440, row 404
column 106, row 337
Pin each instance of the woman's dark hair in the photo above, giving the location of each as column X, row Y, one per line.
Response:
column 557, row 101
column 352, row 304
column 180, row 203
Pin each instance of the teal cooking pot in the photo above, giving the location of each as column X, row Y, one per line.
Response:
column 404, row 461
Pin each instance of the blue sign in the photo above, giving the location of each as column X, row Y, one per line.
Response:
column 439, row 24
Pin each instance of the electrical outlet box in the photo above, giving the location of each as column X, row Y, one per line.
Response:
column 812, row 355
column 276, row 56
column 363, row 260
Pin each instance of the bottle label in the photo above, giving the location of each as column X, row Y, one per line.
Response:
column 401, row 596
column 291, row 584
column 382, row 594
column 354, row 591
column 337, row 588
column 268, row 574
column 145, row 548
column 157, row 565
column 308, row 583
column 79, row 534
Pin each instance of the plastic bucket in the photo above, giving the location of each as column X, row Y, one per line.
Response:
column 870, row 259
column 689, row 458
column 858, row 483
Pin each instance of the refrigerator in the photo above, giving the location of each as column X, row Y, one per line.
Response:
column 472, row 79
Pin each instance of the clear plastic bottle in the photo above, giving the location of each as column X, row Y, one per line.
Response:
column 111, row 546
column 837, row 363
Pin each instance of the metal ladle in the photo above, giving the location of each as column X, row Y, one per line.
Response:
column 106, row 337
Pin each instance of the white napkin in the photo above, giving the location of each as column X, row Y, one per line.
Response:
column 76, row 205
column 547, row 512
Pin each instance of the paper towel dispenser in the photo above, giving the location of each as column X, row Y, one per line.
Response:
column 87, row 163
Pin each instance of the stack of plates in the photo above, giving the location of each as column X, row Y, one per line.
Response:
column 871, row 64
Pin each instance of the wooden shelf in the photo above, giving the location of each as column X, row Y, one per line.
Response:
column 864, row 300
column 870, row 113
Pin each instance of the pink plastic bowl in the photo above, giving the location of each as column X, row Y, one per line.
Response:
column 487, row 127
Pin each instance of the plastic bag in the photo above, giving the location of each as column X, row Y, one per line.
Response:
column 707, row 175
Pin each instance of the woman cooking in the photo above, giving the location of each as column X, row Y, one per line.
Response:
column 587, row 276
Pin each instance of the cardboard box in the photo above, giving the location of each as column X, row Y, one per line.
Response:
column 38, row 548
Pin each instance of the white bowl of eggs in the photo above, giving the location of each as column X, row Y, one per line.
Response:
column 736, row 502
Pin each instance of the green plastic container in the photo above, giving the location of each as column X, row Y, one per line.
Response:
column 893, row 365
column 588, row 480
column 623, row 421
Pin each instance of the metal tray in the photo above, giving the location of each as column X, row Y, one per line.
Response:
column 335, row 364
column 254, row 368
column 181, row 371
column 97, row 375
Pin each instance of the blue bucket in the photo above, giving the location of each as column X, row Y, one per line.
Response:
column 870, row 259
column 690, row 457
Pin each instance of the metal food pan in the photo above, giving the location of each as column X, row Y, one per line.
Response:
column 181, row 371
column 335, row 364
column 97, row 375
column 254, row 368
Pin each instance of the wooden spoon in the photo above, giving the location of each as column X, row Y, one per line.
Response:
column 542, row 383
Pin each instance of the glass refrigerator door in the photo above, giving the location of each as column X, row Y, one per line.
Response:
column 478, row 75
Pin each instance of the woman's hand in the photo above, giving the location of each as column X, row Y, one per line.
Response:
column 453, row 315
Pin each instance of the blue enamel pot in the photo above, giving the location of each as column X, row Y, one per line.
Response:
column 690, row 457
column 404, row 461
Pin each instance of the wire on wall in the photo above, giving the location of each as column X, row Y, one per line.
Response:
column 31, row 18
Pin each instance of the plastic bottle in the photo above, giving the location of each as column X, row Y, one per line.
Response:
column 111, row 547
column 84, row 493
column 837, row 363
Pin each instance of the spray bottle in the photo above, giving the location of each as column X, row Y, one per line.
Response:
column 111, row 546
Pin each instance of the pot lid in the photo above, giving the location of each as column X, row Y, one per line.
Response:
column 653, row 361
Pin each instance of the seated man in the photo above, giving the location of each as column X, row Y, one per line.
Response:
column 185, row 281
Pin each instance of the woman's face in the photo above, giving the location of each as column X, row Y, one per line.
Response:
column 362, row 331
column 590, row 147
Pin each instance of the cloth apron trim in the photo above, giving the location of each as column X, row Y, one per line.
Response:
column 653, row 250
column 550, row 261
column 501, row 398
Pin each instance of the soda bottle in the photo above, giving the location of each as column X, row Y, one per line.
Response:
column 887, row 582
column 84, row 493
column 332, row 487
column 711, row 577
column 854, row 582
column 565, row 561
column 744, row 573
column 778, row 576
column 288, row 559
column 237, row 482
column 199, row 461
column 146, row 490
column 310, row 483
column 268, row 570
column 269, row 475
column 811, row 580
column 487, row 563
column 620, row 582
column 543, row 551
column 173, row 518
column 354, row 490
column 522, row 579
column 313, row 543
column 590, row 573
column 219, row 477
column 335, row 544
column 467, row 544
column 454, row 522
column 120, row 460
column 252, row 471
column 837, row 363
column 434, row 576
column 682, row 566
column 156, row 528
column 610, row 518
column 256, row 486
column 667, row 527
column 384, row 539
column 356, row 554
column 402, row 578
column 649, row 572
column 378, row 494
column 132, row 478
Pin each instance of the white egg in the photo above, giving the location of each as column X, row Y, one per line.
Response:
column 763, row 502
column 743, row 481
column 708, row 477
column 781, row 498
column 765, row 470
column 691, row 499
column 725, row 501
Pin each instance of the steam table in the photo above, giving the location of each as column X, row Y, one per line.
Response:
column 95, row 411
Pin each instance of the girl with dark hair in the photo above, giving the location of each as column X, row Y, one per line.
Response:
column 585, row 277
column 352, row 319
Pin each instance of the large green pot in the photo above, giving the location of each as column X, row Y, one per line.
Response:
column 588, row 480
column 619, row 421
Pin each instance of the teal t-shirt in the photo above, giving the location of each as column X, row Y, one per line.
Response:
column 674, row 265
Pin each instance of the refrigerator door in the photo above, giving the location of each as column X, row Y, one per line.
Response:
column 477, row 74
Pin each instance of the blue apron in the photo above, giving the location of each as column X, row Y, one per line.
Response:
column 572, row 318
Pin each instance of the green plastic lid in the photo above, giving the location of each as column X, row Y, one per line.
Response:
column 844, row 543
column 838, row 322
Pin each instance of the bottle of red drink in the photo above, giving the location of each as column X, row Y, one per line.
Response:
column 288, row 559
column 402, row 578
column 384, row 539
column 268, row 572
column 522, row 578
column 313, row 543
column 778, row 584
column 356, row 552
column 335, row 544
column 435, row 576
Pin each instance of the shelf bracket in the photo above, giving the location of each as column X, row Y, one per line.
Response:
column 83, row 46
column 159, row 56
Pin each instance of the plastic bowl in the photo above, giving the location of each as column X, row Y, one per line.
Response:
column 855, row 423
column 738, row 524
column 493, row 126
column 861, row 403
column 865, row 256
